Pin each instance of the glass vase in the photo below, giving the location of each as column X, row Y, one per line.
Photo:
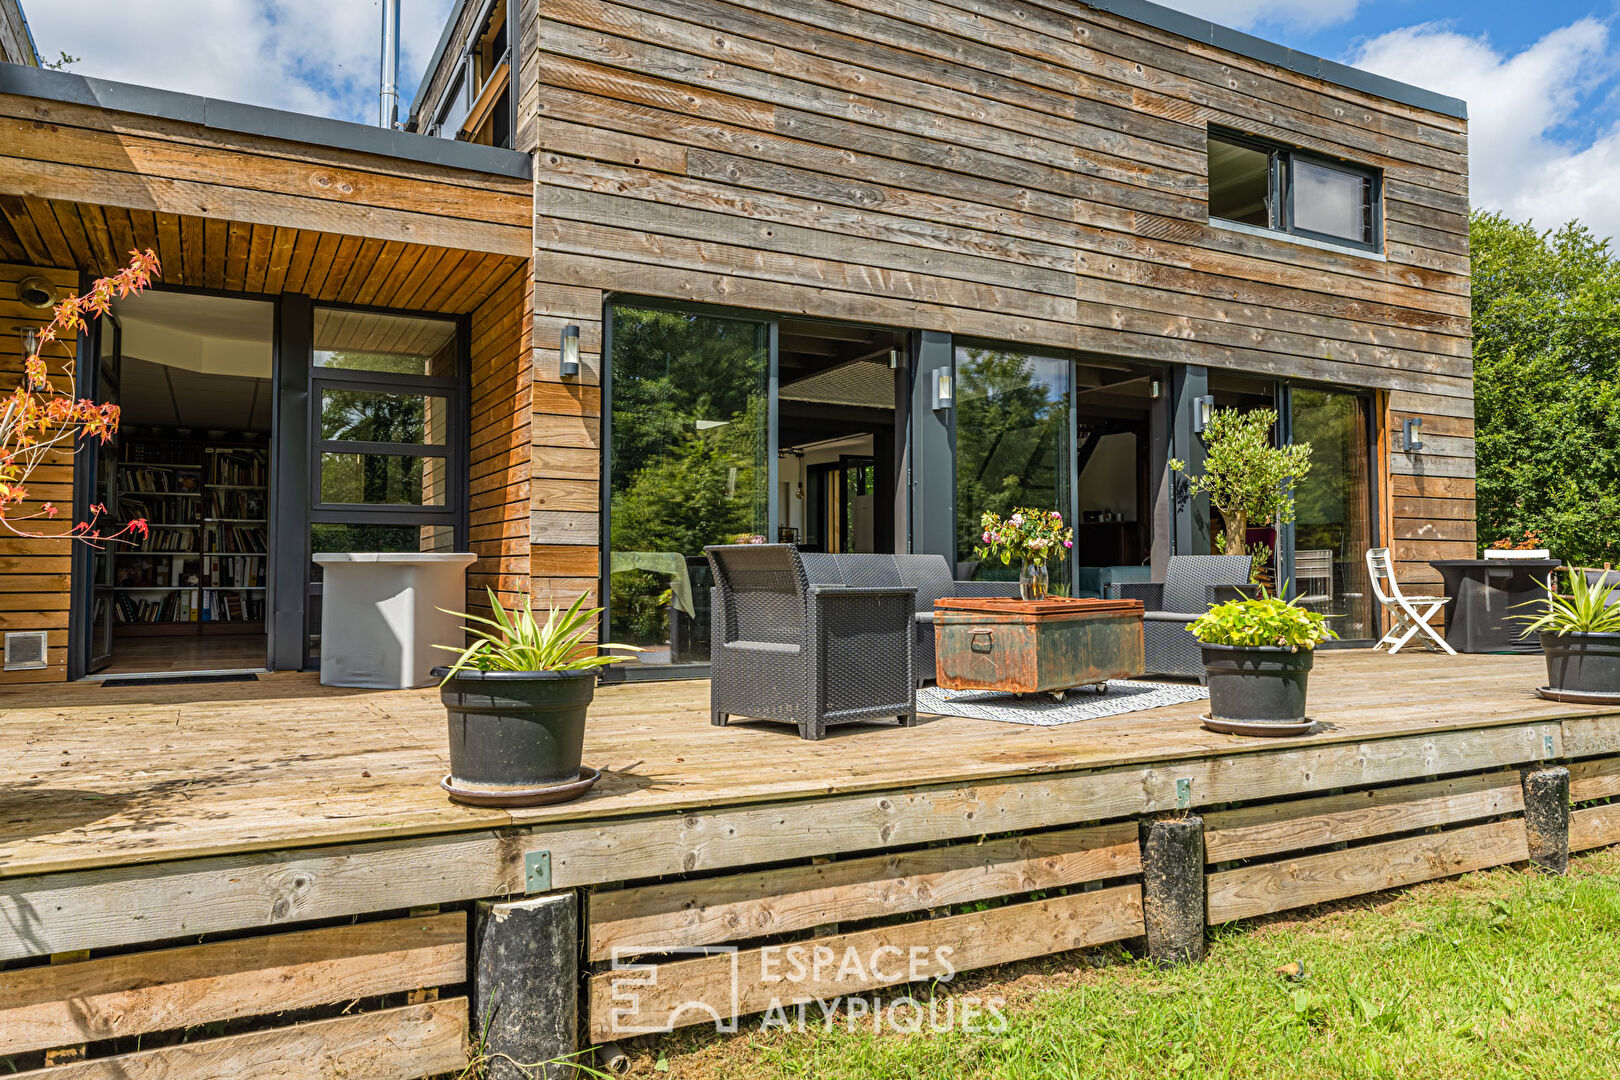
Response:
column 1033, row 581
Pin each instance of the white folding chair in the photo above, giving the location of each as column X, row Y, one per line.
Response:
column 1313, row 577
column 1412, row 614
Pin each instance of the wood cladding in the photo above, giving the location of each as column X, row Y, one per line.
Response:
column 34, row 571
column 499, row 474
column 1031, row 172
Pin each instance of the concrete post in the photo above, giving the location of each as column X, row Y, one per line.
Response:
column 1173, row 888
column 1546, row 816
column 524, row 967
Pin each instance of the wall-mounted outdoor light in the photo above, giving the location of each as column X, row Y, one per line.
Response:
column 569, row 366
column 1411, row 434
column 943, row 394
column 1203, row 412
column 30, row 339
column 1155, row 389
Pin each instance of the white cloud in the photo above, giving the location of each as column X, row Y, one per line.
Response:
column 310, row 56
column 1520, row 161
column 1305, row 15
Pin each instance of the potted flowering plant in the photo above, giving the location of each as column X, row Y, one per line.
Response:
column 1526, row 547
column 1031, row 536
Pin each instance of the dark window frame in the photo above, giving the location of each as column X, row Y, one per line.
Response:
column 466, row 84
column 1280, row 197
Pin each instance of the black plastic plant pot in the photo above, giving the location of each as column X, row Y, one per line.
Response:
column 515, row 736
column 1582, row 663
column 1257, row 685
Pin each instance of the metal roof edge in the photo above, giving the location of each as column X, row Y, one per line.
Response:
column 257, row 120
column 1257, row 48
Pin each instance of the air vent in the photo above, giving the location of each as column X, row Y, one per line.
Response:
column 25, row 650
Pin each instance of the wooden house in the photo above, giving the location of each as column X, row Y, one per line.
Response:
column 844, row 272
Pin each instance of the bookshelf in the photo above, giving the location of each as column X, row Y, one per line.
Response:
column 202, row 567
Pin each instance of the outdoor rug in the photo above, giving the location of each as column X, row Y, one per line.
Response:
column 1039, row 710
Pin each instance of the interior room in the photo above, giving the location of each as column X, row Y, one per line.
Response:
column 192, row 377
column 837, row 462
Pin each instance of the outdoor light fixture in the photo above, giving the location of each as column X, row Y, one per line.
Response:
column 30, row 340
column 1155, row 389
column 569, row 365
column 941, row 387
column 1203, row 412
column 894, row 359
column 1410, row 434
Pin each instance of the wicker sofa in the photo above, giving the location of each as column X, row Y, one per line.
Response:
column 930, row 575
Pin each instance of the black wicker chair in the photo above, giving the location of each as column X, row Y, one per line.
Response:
column 811, row 654
column 1192, row 585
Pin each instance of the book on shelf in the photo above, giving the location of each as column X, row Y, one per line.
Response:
column 229, row 539
column 235, row 571
column 224, row 605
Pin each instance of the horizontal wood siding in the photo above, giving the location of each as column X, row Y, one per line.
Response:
column 35, row 571
column 499, row 493
column 74, row 153
column 1030, row 171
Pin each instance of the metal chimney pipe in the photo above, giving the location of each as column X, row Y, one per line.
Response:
column 388, row 95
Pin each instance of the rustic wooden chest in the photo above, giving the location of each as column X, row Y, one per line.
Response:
column 1030, row 646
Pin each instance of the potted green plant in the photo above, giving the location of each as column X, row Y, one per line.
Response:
column 1580, row 635
column 517, row 699
column 1033, row 537
column 1258, row 655
column 1248, row 478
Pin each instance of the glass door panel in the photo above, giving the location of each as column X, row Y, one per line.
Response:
column 1333, row 509
column 1013, row 445
column 689, row 465
column 103, row 466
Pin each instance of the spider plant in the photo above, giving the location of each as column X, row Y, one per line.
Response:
column 1586, row 610
column 515, row 640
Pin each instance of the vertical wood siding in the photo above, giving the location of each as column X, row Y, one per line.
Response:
column 1024, row 170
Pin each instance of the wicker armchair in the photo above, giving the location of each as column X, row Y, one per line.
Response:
column 1192, row 585
column 808, row 654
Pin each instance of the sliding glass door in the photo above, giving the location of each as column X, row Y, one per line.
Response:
column 689, row 431
column 1333, row 526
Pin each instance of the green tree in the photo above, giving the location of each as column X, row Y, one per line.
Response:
column 1248, row 477
column 1546, row 311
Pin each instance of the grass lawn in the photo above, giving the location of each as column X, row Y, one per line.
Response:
column 1504, row 973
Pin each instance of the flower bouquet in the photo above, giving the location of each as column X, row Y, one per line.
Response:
column 1031, row 536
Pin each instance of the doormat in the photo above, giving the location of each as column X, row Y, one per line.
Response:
column 1039, row 710
column 176, row 680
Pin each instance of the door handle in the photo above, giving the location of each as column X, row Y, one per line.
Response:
column 981, row 641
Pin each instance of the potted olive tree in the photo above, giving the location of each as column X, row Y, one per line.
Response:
column 1249, row 479
column 517, row 698
column 1257, row 657
column 1580, row 635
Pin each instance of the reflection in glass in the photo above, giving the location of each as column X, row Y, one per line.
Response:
column 1239, row 183
column 1332, row 510
column 382, row 479
column 1012, row 444
column 376, row 416
column 1332, row 201
column 688, row 468
column 396, row 344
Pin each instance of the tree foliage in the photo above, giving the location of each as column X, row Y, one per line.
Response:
column 1546, row 309
column 1248, row 478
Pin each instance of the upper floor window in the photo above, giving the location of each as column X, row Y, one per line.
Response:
column 476, row 105
column 1253, row 182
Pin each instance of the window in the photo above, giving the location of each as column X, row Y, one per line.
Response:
column 476, row 105
column 387, row 452
column 1252, row 182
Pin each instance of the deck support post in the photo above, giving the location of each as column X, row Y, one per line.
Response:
column 524, row 968
column 1546, row 816
column 1173, row 908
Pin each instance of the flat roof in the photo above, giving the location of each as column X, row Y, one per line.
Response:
column 243, row 119
column 1257, row 48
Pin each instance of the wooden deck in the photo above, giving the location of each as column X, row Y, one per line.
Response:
column 176, row 856
column 93, row 777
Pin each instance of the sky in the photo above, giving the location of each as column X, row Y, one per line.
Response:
column 1542, row 80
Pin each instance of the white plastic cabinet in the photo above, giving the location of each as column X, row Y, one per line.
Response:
column 381, row 617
